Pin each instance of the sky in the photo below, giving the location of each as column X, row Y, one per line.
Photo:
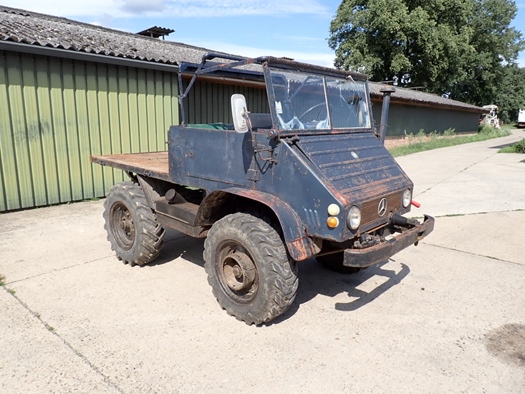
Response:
column 295, row 29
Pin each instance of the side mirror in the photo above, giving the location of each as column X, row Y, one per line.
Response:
column 239, row 113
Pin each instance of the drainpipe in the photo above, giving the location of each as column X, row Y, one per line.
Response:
column 384, row 111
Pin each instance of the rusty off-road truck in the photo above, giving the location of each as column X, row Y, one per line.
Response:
column 308, row 178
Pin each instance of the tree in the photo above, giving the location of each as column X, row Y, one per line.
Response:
column 456, row 46
column 510, row 95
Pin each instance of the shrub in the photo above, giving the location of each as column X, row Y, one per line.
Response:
column 520, row 146
column 486, row 129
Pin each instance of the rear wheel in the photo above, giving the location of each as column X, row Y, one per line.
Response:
column 133, row 231
column 334, row 262
column 248, row 269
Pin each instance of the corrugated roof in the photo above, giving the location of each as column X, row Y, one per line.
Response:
column 49, row 31
column 32, row 28
column 421, row 98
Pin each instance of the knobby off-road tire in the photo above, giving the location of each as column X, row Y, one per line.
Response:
column 133, row 232
column 334, row 262
column 248, row 269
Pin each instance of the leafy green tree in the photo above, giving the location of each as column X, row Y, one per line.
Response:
column 456, row 46
column 510, row 96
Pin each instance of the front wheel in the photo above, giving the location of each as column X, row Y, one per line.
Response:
column 133, row 231
column 248, row 269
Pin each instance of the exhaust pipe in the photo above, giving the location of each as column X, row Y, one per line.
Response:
column 384, row 111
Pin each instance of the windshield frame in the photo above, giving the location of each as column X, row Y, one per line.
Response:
column 259, row 70
column 278, row 78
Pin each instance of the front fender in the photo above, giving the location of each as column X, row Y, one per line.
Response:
column 299, row 245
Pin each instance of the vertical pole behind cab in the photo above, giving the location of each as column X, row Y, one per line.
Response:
column 384, row 112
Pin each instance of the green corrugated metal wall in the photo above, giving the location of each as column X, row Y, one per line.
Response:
column 209, row 102
column 55, row 113
column 406, row 119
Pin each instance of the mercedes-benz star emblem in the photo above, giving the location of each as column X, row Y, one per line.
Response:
column 381, row 207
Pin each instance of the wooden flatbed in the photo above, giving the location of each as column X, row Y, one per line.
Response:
column 152, row 164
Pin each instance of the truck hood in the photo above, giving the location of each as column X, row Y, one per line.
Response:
column 358, row 167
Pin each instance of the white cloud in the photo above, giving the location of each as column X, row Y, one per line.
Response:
column 65, row 8
column 170, row 8
column 319, row 58
column 140, row 6
column 215, row 8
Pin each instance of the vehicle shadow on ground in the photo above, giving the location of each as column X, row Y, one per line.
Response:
column 177, row 244
column 314, row 279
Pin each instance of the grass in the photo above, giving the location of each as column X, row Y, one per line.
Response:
column 423, row 142
column 2, row 284
column 518, row 147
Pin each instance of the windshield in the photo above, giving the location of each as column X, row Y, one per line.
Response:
column 315, row 102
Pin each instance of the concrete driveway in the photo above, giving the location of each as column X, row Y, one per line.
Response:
column 446, row 316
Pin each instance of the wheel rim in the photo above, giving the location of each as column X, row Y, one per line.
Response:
column 122, row 225
column 237, row 272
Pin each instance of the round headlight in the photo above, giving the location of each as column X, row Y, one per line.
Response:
column 354, row 218
column 407, row 197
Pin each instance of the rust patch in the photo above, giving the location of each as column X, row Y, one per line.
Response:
column 299, row 249
column 508, row 343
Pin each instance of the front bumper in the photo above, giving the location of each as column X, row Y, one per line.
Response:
column 382, row 251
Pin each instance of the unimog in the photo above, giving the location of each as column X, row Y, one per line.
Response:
column 308, row 178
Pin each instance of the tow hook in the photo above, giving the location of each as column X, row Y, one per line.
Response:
column 403, row 221
column 367, row 240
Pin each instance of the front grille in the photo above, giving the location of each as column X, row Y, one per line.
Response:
column 369, row 211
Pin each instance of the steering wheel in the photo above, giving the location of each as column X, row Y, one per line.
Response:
column 321, row 106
